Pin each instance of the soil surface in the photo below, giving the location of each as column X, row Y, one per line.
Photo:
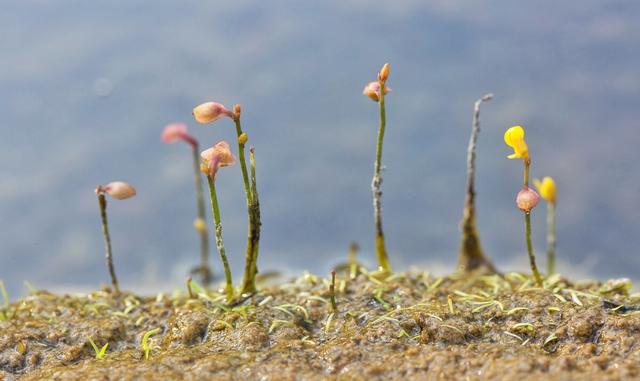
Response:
column 407, row 326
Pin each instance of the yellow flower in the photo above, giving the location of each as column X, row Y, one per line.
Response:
column 514, row 137
column 547, row 188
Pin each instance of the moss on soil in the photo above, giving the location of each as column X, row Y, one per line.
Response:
column 409, row 326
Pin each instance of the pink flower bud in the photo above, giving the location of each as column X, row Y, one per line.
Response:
column 527, row 199
column 216, row 157
column 177, row 131
column 117, row 189
column 210, row 112
column 372, row 90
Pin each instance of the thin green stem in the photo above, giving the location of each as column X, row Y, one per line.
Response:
column 219, row 242
column 243, row 162
column 102, row 201
column 205, row 269
column 551, row 238
column 532, row 258
column 376, row 183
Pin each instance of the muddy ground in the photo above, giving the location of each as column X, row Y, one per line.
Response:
column 409, row 326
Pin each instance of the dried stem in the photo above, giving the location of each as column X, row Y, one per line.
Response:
column 205, row 268
column 102, row 201
column 376, row 183
column 219, row 242
column 471, row 255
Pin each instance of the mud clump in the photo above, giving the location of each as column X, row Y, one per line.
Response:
column 407, row 326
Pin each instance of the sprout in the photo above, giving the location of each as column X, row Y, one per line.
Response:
column 214, row 158
column 146, row 347
column 173, row 133
column 101, row 352
column 547, row 189
column 120, row 191
column 376, row 91
column 527, row 198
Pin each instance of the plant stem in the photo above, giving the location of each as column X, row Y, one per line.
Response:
column 332, row 291
column 219, row 242
column 551, row 238
column 527, row 164
column 253, row 212
column 376, row 183
column 205, row 268
column 102, row 201
column 471, row 255
column 532, row 258
column 256, row 224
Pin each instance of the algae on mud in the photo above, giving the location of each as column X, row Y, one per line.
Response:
column 407, row 326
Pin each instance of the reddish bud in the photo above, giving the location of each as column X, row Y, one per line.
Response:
column 527, row 199
column 177, row 131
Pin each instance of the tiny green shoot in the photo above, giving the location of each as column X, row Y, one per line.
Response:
column 146, row 347
column 100, row 353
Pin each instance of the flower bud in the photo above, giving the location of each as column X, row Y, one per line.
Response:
column 200, row 225
column 177, row 131
column 527, row 199
column 237, row 110
column 372, row 90
column 242, row 139
column 216, row 157
column 117, row 189
column 210, row 112
column 384, row 73
column 547, row 188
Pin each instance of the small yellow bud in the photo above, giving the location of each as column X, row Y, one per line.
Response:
column 242, row 139
column 200, row 225
column 514, row 138
column 547, row 189
column 384, row 73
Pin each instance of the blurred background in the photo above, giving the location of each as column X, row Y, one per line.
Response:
column 86, row 88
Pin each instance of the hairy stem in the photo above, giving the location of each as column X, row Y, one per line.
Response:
column 376, row 183
column 551, row 238
column 471, row 255
column 219, row 242
column 205, row 269
column 102, row 201
column 532, row 258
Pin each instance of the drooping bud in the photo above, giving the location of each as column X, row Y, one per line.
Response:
column 242, row 139
column 384, row 73
column 216, row 157
column 117, row 189
column 527, row 199
column 210, row 112
column 177, row 131
column 237, row 110
column 372, row 90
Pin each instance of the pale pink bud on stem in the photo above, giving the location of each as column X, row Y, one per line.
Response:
column 216, row 157
column 178, row 131
column 372, row 90
column 527, row 199
column 210, row 112
column 120, row 191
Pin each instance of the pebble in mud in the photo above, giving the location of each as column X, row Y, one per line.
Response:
column 188, row 328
